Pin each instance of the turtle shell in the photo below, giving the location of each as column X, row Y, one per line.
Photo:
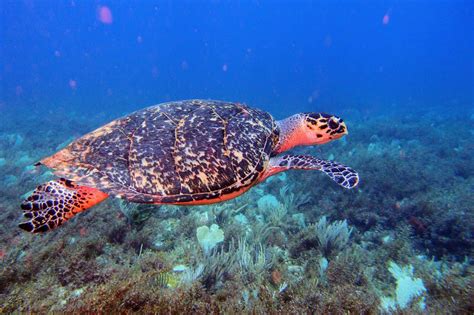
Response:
column 177, row 152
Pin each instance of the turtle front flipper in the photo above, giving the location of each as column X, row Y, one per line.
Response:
column 341, row 174
column 55, row 202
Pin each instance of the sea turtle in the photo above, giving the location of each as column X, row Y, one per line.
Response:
column 189, row 152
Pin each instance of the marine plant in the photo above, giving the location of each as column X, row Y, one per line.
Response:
column 331, row 237
column 136, row 214
column 209, row 237
column 99, row 263
column 408, row 289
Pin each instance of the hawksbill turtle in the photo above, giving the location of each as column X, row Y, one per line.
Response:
column 189, row 152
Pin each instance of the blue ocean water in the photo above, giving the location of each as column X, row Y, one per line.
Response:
column 400, row 73
column 276, row 55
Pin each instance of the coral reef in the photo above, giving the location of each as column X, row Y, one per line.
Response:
column 294, row 244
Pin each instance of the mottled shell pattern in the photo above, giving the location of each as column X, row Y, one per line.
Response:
column 174, row 152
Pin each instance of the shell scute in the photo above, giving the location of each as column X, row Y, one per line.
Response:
column 150, row 156
column 202, row 163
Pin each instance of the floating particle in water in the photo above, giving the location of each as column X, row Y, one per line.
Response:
column 104, row 14
column 155, row 72
column 57, row 53
column 314, row 96
column 224, row 67
column 18, row 90
column 328, row 41
column 73, row 84
column 386, row 19
column 184, row 65
column 139, row 39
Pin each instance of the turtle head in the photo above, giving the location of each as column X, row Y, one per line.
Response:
column 309, row 129
column 322, row 128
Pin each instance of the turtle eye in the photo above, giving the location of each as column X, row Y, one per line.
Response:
column 333, row 123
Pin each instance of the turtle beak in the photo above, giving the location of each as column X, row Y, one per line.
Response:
column 346, row 132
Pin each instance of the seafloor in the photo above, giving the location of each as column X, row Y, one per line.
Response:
column 295, row 244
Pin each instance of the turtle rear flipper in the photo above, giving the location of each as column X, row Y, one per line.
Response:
column 55, row 202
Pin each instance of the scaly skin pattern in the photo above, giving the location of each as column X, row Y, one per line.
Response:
column 308, row 129
column 178, row 152
column 55, row 202
column 341, row 174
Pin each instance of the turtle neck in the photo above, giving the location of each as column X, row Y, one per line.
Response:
column 291, row 134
